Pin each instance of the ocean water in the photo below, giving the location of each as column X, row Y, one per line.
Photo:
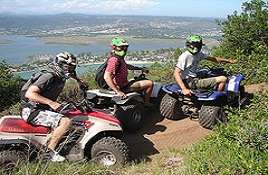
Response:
column 81, row 70
column 14, row 49
column 18, row 48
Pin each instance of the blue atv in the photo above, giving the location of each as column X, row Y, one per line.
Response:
column 205, row 105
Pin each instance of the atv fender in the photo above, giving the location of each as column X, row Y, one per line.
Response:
column 9, row 141
column 172, row 88
column 210, row 96
column 133, row 96
column 91, row 95
column 99, row 92
column 234, row 83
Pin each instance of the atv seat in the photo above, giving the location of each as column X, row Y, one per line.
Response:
column 105, row 93
column 97, row 92
column 18, row 125
column 175, row 88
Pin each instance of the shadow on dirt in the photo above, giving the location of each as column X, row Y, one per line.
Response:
column 140, row 147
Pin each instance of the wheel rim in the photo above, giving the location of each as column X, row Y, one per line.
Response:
column 106, row 158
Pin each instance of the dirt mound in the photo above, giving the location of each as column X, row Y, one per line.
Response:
column 163, row 134
column 255, row 88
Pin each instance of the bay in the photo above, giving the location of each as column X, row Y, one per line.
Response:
column 16, row 48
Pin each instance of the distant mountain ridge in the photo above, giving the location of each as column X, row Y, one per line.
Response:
column 92, row 25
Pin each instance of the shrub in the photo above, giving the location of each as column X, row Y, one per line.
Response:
column 239, row 148
column 9, row 87
column 246, row 31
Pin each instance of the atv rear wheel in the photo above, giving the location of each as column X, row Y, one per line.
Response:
column 110, row 151
column 170, row 108
column 209, row 116
column 10, row 159
column 131, row 117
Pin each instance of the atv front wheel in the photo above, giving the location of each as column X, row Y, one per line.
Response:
column 209, row 116
column 131, row 117
column 10, row 159
column 110, row 151
column 170, row 108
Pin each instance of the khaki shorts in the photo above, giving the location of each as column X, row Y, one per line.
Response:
column 129, row 87
column 42, row 117
column 206, row 83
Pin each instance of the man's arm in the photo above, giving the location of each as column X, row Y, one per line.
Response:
column 109, row 80
column 33, row 94
column 220, row 60
column 177, row 75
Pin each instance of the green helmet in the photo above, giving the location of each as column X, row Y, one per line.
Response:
column 119, row 46
column 194, row 43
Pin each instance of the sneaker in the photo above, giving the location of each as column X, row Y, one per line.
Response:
column 55, row 157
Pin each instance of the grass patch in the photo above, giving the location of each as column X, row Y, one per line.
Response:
column 241, row 147
column 169, row 162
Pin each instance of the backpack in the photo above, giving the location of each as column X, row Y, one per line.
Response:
column 99, row 76
column 33, row 78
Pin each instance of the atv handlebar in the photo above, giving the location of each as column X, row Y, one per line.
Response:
column 141, row 73
column 208, row 72
column 83, row 106
column 65, row 108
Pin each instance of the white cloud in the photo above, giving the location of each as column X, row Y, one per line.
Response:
column 76, row 6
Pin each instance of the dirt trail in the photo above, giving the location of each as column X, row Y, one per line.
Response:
column 254, row 88
column 159, row 134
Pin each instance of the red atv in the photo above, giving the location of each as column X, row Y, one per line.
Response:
column 95, row 135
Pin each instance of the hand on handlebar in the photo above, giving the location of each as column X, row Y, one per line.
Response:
column 145, row 70
column 55, row 105
column 66, row 107
column 121, row 94
column 186, row 92
column 83, row 86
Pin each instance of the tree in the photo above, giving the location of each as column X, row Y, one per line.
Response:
column 9, row 87
column 176, row 54
column 246, row 32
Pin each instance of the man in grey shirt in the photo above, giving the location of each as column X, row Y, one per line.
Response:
column 39, row 95
column 187, row 67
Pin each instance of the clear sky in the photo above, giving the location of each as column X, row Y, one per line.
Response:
column 194, row 8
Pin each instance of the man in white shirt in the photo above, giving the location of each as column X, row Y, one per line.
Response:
column 187, row 67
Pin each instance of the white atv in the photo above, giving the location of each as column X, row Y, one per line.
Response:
column 95, row 135
column 129, row 111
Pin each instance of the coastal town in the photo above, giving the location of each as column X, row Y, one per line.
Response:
column 90, row 25
column 39, row 61
column 88, row 30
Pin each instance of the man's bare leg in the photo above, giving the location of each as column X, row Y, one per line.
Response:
column 221, row 86
column 146, row 85
column 58, row 133
column 221, row 80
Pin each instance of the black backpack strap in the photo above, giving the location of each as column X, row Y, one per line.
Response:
column 99, row 76
column 117, row 68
